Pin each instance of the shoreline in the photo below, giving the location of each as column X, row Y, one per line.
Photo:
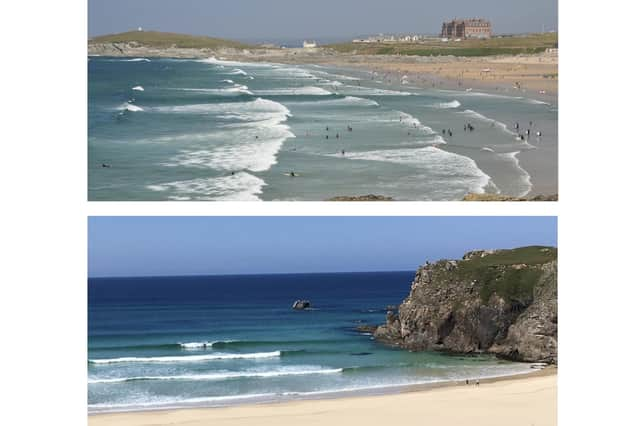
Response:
column 342, row 394
column 451, row 402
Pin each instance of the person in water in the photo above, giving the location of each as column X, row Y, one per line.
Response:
column 337, row 135
column 450, row 133
column 292, row 174
column 343, row 152
column 106, row 166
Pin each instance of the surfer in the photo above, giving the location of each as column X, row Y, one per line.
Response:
column 517, row 126
column 538, row 133
column 292, row 174
column 327, row 128
column 106, row 166
column 450, row 133
column 343, row 152
column 444, row 132
column 326, row 137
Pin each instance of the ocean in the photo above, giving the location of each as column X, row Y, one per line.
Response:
column 218, row 340
column 177, row 129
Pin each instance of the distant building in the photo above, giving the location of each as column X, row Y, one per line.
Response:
column 466, row 28
column 309, row 44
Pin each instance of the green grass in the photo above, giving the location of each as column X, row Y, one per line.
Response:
column 165, row 40
column 513, row 45
column 513, row 285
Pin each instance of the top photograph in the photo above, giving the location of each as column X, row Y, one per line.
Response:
column 360, row 100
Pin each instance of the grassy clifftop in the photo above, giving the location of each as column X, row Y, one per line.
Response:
column 165, row 40
column 512, row 45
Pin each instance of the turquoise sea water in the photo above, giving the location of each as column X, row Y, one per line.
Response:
column 169, row 129
column 212, row 341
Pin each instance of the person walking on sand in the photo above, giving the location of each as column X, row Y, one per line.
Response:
column 477, row 382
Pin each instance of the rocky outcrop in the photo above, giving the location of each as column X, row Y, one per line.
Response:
column 500, row 301
column 301, row 304
column 369, row 197
column 498, row 197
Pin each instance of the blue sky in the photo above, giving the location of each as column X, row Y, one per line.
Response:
column 144, row 246
column 272, row 20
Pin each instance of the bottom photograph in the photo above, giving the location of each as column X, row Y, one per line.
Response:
column 317, row 320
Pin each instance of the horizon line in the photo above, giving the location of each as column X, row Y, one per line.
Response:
column 245, row 274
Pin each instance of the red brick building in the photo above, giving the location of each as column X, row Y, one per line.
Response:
column 466, row 28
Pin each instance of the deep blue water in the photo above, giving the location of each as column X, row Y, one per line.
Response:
column 218, row 340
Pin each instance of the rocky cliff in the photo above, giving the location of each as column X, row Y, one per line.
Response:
column 500, row 301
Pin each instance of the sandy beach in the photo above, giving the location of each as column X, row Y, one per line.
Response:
column 525, row 400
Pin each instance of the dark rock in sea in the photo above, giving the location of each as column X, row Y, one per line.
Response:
column 370, row 197
column 492, row 301
column 301, row 305
column 361, row 353
column 367, row 328
column 498, row 197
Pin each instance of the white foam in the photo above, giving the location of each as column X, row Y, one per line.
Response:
column 168, row 403
column 525, row 177
column 137, row 60
column 238, row 71
column 370, row 91
column 447, row 105
column 239, row 187
column 295, row 91
column 228, row 81
column 415, row 123
column 486, row 148
column 138, row 88
column 238, row 109
column 478, row 116
column 236, row 89
column 346, row 101
column 226, row 375
column 130, row 107
column 257, row 137
column 190, row 358
column 446, row 169
column 202, row 345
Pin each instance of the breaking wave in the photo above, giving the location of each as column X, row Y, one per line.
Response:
column 189, row 358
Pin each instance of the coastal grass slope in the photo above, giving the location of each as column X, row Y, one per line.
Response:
column 162, row 40
column 502, row 45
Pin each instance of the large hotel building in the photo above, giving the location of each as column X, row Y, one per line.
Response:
column 466, row 28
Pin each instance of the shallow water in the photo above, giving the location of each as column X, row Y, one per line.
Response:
column 213, row 130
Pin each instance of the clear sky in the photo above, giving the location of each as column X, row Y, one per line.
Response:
column 272, row 20
column 151, row 246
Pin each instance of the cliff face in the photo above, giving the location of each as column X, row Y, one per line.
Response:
column 502, row 302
